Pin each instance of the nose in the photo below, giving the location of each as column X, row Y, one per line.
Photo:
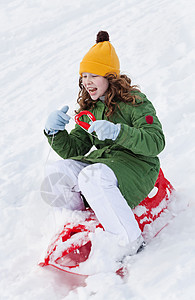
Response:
column 88, row 80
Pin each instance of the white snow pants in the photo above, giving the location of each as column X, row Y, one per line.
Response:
column 98, row 184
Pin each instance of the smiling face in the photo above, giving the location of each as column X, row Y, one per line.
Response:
column 95, row 85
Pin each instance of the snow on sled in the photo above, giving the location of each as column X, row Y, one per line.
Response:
column 72, row 245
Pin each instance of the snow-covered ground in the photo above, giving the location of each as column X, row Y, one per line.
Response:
column 41, row 45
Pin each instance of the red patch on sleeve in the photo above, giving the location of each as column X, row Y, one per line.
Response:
column 149, row 119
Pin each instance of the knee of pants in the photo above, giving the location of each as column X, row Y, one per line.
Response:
column 60, row 187
column 96, row 176
column 65, row 172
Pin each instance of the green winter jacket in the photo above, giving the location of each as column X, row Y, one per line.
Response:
column 132, row 156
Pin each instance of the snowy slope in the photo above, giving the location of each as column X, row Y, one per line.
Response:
column 41, row 45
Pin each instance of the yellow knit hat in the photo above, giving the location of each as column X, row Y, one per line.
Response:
column 101, row 58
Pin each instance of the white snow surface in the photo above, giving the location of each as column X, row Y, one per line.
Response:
column 41, row 45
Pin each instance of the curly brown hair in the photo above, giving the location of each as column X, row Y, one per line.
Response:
column 119, row 90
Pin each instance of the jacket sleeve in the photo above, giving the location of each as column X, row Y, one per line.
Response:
column 67, row 145
column 145, row 135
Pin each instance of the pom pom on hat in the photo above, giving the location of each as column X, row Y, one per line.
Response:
column 102, row 36
column 101, row 58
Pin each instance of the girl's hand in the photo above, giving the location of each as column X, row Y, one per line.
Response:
column 57, row 120
column 105, row 129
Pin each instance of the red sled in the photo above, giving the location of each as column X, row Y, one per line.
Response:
column 72, row 245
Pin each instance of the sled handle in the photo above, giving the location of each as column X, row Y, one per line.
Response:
column 85, row 125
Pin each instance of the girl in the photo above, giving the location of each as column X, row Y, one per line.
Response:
column 127, row 135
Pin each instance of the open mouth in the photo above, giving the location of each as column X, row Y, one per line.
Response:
column 92, row 90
